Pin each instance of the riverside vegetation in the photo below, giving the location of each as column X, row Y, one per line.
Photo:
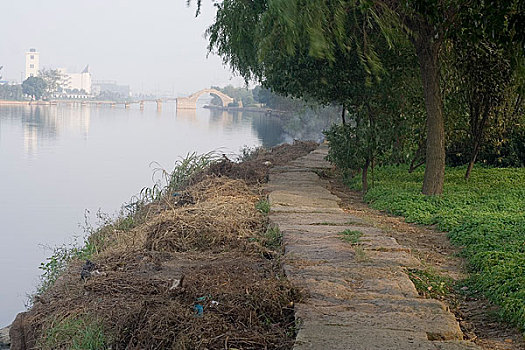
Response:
column 191, row 263
column 431, row 83
column 484, row 216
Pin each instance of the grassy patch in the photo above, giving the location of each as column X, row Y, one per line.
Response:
column 485, row 216
column 430, row 284
column 263, row 206
column 351, row 236
column 78, row 333
column 272, row 238
column 360, row 254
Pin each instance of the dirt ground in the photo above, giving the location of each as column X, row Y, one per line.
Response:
column 198, row 273
column 476, row 316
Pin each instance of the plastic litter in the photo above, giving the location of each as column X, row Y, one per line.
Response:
column 199, row 310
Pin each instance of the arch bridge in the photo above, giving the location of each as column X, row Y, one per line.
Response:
column 190, row 102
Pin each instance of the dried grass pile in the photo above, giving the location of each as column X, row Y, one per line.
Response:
column 223, row 218
column 245, row 305
column 190, row 277
column 255, row 169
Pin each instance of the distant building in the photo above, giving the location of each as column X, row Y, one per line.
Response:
column 110, row 86
column 76, row 81
column 32, row 63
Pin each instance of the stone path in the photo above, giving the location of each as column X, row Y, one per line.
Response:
column 359, row 296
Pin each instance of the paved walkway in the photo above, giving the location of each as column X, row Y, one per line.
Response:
column 359, row 296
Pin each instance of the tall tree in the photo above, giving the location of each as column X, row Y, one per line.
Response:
column 34, row 87
column 246, row 33
column 54, row 80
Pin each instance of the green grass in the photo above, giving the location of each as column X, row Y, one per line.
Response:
column 351, row 236
column 430, row 284
column 77, row 333
column 272, row 238
column 485, row 216
column 263, row 206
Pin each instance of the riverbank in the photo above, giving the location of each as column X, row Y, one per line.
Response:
column 24, row 103
column 197, row 266
column 203, row 265
column 267, row 111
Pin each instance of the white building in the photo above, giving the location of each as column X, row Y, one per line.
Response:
column 32, row 63
column 79, row 81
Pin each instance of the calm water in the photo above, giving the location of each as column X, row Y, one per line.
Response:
column 58, row 161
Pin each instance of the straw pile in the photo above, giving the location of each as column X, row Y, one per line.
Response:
column 190, row 277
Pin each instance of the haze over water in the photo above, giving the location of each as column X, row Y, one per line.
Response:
column 58, row 161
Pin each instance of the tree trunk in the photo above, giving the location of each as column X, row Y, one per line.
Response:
column 364, row 176
column 416, row 158
column 427, row 50
column 472, row 161
column 477, row 127
column 343, row 114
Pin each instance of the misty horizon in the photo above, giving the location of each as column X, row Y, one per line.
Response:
column 155, row 47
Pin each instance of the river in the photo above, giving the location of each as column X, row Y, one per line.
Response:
column 59, row 164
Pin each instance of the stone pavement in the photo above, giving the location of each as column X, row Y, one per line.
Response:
column 358, row 295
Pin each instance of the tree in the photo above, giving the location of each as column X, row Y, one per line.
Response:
column 344, row 78
column 34, row 87
column 11, row 92
column 245, row 34
column 54, row 80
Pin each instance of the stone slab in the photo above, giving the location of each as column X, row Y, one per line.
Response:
column 316, row 336
column 358, row 294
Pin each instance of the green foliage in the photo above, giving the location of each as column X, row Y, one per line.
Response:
column 263, row 206
column 272, row 238
column 431, row 285
column 35, row 87
column 11, row 92
column 80, row 332
column 347, row 151
column 94, row 242
column 484, row 216
column 54, row 81
column 180, row 176
column 331, row 51
column 351, row 236
column 57, row 262
column 186, row 167
column 242, row 94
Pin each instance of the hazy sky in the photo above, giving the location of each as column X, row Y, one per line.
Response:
column 152, row 45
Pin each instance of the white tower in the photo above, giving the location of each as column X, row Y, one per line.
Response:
column 32, row 63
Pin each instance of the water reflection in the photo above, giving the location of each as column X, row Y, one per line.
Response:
column 58, row 161
column 43, row 124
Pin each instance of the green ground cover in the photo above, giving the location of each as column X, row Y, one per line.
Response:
column 485, row 216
